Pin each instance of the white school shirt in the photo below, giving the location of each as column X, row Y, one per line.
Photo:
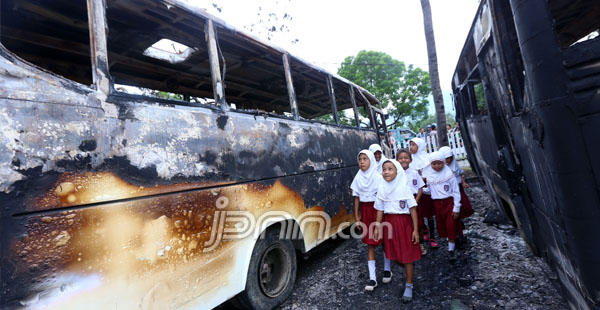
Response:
column 365, row 198
column 395, row 207
column 458, row 178
column 458, row 172
column 414, row 180
column 447, row 189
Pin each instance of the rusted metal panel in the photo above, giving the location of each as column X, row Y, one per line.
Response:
column 124, row 251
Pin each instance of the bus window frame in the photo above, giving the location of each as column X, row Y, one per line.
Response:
column 103, row 81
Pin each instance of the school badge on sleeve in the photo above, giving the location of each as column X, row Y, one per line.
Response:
column 447, row 187
column 402, row 204
column 415, row 182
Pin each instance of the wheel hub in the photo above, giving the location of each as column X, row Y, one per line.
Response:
column 274, row 271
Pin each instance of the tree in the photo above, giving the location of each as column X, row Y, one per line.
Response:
column 438, row 98
column 402, row 90
column 450, row 120
column 430, row 119
column 423, row 123
column 344, row 119
column 480, row 99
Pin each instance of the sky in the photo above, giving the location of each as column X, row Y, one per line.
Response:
column 328, row 31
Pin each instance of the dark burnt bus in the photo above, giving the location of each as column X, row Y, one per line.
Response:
column 113, row 199
column 527, row 96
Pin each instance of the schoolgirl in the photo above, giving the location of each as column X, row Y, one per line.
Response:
column 364, row 188
column 466, row 209
column 425, row 209
column 397, row 215
column 446, row 199
column 379, row 157
column 415, row 183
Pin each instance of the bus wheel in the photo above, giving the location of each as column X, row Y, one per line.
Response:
column 271, row 273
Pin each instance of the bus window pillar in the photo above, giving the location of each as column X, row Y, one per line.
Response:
column 290, row 87
column 98, row 46
column 332, row 98
column 213, row 56
column 353, row 99
column 369, row 108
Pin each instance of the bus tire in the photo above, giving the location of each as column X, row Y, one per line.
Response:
column 271, row 273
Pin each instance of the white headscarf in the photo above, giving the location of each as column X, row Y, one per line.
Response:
column 420, row 159
column 374, row 148
column 447, row 152
column 436, row 177
column 397, row 189
column 365, row 183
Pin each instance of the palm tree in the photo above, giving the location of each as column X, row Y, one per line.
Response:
column 434, row 77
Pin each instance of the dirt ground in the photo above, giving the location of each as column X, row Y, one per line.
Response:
column 494, row 270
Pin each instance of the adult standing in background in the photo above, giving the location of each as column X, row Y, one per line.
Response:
column 392, row 143
column 421, row 133
column 433, row 135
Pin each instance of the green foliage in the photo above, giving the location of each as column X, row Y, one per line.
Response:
column 161, row 94
column 344, row 119
column 166, row 95
column 402, row 90
column 480, row 97
column 430, row 119
column 450, row 119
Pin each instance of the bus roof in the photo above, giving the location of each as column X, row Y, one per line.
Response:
column 253, row 69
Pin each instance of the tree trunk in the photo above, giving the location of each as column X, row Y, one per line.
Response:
column 434, row 76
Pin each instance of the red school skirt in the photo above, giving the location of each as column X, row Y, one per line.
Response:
column 447, row 226
column 397, row 239
column 466, row 209
column 425, row 209
column 368, row 216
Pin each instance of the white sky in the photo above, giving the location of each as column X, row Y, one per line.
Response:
column 330, row 30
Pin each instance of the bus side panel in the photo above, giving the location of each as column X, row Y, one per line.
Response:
column 96, row 195
column 571, row 178
column 164, row 251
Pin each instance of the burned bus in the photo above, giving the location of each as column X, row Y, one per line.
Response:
column 145, row 146
column 527, row 96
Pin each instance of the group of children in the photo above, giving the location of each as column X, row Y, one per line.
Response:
column 395, row 197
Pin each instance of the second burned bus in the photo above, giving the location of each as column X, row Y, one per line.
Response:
column 114, row 200
column 527, row 95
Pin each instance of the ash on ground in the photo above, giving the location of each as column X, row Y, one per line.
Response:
column 494, row 270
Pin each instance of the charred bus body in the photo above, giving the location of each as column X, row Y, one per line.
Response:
column 117, row 200
column 527, row 97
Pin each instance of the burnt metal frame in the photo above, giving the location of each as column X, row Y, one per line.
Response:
column 105, row 84
column 332, row 98
column 213, row 56
column 354, row 108
column 542, row 99
column 98, row 47
column 290, row 87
